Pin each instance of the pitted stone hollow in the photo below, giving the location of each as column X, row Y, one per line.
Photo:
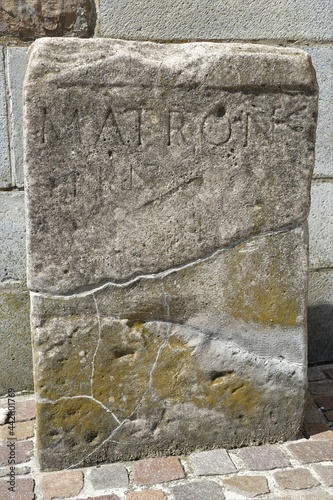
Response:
column 156, row 155
column 170, row 315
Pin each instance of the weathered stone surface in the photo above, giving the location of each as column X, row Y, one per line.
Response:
column 5, row 172
column 320, row 316
column 15, row 354
column 16, row 57
column 198, row 490
column 157, row 470
column 295, row 479
column 109, row 476
column 170, row 315
column 30, row 19
column 322, row 59
column 197, row 19
column 248, row 486
column 263, row 457
column 12, row 243
column 232, row 159
column 326, row 473
column 207, row 463
column 321, row 224
column 61, row 484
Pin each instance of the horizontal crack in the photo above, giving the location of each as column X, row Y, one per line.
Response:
column 93, row 288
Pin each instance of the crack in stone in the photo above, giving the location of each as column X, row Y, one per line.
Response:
column 79, row 396
column 98, row 447
column 91, row 289
column 97, row 345
column 162, row 346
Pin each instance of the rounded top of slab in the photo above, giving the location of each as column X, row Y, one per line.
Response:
column 204, row 64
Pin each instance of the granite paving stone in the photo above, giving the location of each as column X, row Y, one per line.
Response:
column 23, row 451
column 24, row 489
column 157, row 470
column 323, row 436
column 20, row 470
column 313, row 494
column 325, row 472
column 26, row 410
column 295, row 479
column 103, row 497
column 313, row 451
column 108, row 476
column 23, row 430
column 198, row 491
column 315, row 429
column 146, row 495
column 207, row 463
column 248, row 486
column 61, row 484
column 264, row 457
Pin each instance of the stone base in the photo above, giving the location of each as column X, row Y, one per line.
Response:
column 208, row 355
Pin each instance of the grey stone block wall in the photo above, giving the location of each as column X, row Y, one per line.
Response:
column 229, row 19
column 15, row 339
column 304, row 23
column 15, row 73
column 5, row 173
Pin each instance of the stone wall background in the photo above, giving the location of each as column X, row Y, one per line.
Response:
column 306, row 24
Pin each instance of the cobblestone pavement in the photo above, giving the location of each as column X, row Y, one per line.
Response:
column 301, row 469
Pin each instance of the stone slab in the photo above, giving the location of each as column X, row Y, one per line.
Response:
column 152, row 325
column 322, row 59
column 168, row 113
column 30, row 19
column 15, row 354
column 312, row 451
column 5, row 172
column 295, row 479
column 248, row 486
column 61, row 484
column 188, row 20
column 157, row 470
column 321, row 225
column 16, row 57
column 320, row 316
column 264, row 457
column 12, row 244
column 108, row 477
column 24, row 489
column 198, row 490
column 325, row 472
column 207, row 463
column 176, row 365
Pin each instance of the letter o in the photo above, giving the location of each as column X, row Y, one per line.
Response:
column 216, row 127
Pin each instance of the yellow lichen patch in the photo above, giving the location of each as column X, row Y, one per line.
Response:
column 78, row 424
column 179, row 379
column 260, row 283
column 123, row 363
column 65, row 359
